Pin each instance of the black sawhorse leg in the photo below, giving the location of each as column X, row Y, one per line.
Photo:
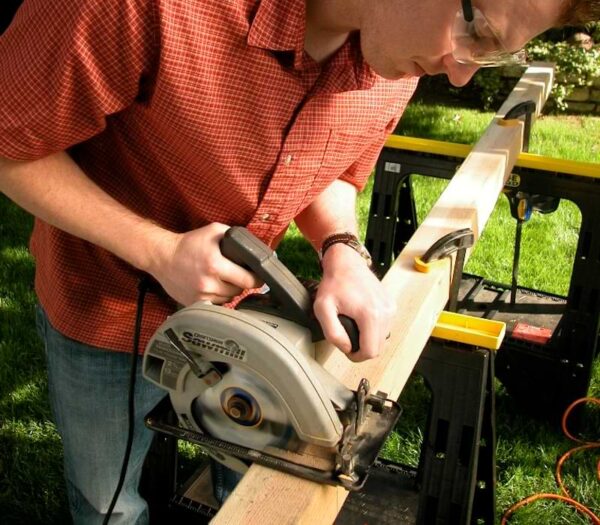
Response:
column 457, row 470
column 455, row 481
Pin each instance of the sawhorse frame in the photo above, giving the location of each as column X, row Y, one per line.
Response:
column 546, row 377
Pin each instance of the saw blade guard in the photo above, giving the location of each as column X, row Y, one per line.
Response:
column 264, row 376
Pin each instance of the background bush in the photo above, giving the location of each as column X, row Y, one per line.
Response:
column 576, row 67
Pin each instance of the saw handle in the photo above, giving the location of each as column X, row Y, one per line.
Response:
column 351, row 328
column 243, row 248
column 240, row 246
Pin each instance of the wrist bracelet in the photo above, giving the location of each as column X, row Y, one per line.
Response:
column 349, row 239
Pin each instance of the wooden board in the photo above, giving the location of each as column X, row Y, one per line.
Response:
column 266, row 497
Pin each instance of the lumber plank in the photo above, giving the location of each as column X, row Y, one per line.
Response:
column 265, row 496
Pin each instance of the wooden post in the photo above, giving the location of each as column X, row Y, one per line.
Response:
column 266, row 497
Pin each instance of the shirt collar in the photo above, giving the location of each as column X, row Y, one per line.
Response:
column 280, row 25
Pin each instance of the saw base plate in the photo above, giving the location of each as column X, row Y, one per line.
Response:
column 389, row 497
column 374, row 432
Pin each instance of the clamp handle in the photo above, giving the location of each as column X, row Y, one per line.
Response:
column 446, row 245
column 456, row 241
column 526, row 109
column 294, row 302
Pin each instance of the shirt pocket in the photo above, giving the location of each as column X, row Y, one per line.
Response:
column 342, row 150
column 345, row 148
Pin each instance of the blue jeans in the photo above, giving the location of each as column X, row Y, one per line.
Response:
column 88, row 390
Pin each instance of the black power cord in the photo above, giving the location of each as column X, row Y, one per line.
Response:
column 143, row 287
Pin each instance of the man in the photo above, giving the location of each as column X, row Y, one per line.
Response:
column 138, row 131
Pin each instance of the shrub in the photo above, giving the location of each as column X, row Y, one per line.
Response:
column 575, row 67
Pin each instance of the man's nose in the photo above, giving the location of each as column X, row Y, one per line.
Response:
column 458, row 74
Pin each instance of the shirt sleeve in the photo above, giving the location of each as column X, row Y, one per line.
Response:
column 359, row 172
column 65, row 65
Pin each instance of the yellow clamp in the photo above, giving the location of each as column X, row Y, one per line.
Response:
column 426, row 267
column 457, row 241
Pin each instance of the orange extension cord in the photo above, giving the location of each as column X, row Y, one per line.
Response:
column 565, row 496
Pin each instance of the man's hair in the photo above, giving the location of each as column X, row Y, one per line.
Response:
column 578, row 12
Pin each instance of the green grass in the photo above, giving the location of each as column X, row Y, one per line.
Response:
column 31, row 484
column 31, row 487
column 564, row 137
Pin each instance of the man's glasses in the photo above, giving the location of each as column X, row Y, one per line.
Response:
column 476, row 42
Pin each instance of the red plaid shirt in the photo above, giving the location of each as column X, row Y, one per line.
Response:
column 188, row 112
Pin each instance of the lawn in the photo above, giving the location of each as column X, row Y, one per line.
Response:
column 31, row 489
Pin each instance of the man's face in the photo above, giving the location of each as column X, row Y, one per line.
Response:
column 414, row 37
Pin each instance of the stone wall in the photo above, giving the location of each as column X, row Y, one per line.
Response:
column 585, row 99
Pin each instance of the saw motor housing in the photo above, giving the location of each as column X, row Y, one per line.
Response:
column 268, row 390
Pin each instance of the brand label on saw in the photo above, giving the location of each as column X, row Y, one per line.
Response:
column 225, row 347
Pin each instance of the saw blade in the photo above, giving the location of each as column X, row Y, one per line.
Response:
column 243, row 409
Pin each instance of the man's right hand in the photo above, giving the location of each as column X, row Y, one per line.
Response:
column 191, row 268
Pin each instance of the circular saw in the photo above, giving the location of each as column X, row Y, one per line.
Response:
column 245, row 384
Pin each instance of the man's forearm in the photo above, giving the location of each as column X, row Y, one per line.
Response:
column 348, row 286
column 334, row 211
column 57, row 191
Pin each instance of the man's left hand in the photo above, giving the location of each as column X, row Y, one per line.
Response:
column 349, row 287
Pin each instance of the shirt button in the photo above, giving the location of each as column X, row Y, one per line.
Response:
column 288, row 160
column 265, row 217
